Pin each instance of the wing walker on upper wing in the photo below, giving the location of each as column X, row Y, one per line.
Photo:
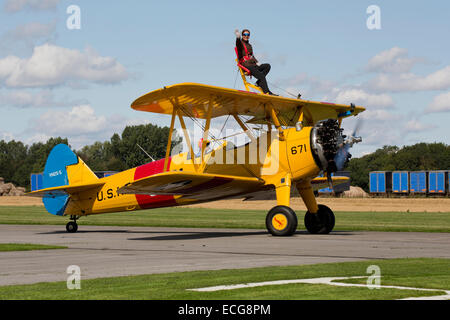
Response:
column 308, row 140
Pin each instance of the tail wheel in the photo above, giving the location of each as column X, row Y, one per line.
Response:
column 281, row 221
column 321, row 222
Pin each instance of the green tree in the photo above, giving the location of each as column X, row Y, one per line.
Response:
column 13, row 154
column 153, row 139
column 99, row 157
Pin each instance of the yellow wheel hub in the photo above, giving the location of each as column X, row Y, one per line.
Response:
column 279, row 221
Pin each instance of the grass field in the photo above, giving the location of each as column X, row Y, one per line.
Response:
column 419, row 273
column 26, row 247
column 222, row 218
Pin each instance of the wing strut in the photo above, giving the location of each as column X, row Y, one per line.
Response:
column 244, row 127
column 169, row 142
column 206, row 131
column 276, row 122
column 188, row 140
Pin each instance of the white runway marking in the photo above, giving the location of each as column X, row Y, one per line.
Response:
column 326, row 280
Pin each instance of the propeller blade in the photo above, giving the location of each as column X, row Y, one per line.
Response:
column 341, row 157
column 330, row 183
column 343, row 153
column 359, row 123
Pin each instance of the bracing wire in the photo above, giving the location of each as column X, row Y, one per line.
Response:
column 235, row 79
column 274, row 85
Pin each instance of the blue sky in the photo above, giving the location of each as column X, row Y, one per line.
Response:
column 80, row 83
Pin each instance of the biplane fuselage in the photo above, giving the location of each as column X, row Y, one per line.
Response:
column 291, row 162
column 291, row 155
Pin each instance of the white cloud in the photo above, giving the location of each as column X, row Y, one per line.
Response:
column 360, row 97
column 393, row 68
column 27, row 99
column 417, row 126
column 51, row 65
column 305, row 84
column 394, row 60
column 382, row 115
column 82, row 126
column 37, row 137
column 374, row 133
column 438, row 80
column 440, row 103
column 13, row 6
column 80, row 120
column 6, row 136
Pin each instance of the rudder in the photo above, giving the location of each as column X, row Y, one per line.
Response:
column 63, row 168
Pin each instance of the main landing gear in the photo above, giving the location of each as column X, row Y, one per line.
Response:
column 282, row 221
column 321, row 222
column 72, row 226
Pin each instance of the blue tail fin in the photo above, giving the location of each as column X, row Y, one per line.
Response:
column 55, row 175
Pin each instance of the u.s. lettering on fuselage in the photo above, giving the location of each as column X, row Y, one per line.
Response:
column 110, row 194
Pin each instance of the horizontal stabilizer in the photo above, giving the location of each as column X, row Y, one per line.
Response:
column 56, row 191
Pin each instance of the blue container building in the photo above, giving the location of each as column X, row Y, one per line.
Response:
column 418, row 181
column 437, row 182
column 380, row 181
column 400, row 182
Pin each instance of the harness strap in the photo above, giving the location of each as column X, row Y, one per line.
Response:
column 247, row 56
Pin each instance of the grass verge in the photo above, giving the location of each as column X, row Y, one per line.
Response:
column 26, row 247
column 420, row 273
column 219, row 218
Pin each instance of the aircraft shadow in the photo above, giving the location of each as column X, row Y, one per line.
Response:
column 209, row 234
column 85, row 231
column 189, row 235
column 200, row 235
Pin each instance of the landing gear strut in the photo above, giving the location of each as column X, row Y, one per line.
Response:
column 281, row 221
column 72, row 226
column 321, row 222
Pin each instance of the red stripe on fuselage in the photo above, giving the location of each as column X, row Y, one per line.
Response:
column 146, row 201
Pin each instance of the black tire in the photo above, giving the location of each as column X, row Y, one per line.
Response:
column 72, row 227
column 320, row 223
column 285, row 227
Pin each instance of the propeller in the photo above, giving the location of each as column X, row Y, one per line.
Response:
column 343, row 154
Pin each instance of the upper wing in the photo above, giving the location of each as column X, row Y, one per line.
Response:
column 193, row 100
column 192, row 184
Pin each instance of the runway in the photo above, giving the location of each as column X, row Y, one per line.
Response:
column 121, row 251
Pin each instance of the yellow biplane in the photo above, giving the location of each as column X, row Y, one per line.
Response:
column 297, row 141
